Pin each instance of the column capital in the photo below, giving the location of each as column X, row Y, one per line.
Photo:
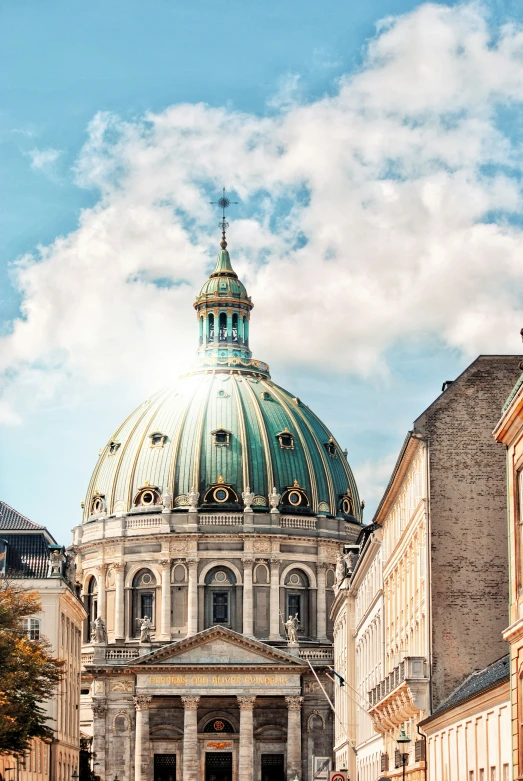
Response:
column 274, row 561
column 246, row 703
column 321, row 566
column 247, row 563
column 101, row 569
column 192, row 563
column 142, row 702
column 118, row 566
column 190, row 703
column 165, row 563
column 294, row 702
column 99, row 708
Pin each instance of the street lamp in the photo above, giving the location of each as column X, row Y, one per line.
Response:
column 403, row 741
column 74, row 775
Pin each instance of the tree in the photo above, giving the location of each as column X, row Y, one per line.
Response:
column 28, row 672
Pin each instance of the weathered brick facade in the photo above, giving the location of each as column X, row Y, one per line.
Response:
column 468, row 522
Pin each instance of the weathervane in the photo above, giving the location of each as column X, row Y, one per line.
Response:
column 223, row 203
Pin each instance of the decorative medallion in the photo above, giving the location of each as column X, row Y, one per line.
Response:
column 260, row 501
column 323, row 507
column 181, row 501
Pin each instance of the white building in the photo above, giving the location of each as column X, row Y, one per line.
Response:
column 34, row 560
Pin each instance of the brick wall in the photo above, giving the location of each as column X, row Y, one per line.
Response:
column 468, row 514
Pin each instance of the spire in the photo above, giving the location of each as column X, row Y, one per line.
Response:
column 223, row 203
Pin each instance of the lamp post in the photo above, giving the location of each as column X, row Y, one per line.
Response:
column 74, row 775
column 403, row 741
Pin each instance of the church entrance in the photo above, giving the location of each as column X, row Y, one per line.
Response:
column 165, row 767
column 272, row 767
column 218, row 766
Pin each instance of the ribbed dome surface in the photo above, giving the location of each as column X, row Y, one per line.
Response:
column 170, row 443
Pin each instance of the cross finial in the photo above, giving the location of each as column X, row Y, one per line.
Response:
column 223, row 203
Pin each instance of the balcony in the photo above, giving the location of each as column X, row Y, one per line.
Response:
column 402, row 694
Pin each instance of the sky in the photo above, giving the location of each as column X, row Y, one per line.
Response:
column 374, row 150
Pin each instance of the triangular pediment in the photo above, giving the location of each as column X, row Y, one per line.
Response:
column 219, row 646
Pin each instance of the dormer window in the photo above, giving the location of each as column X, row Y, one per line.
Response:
column 113, row 447
column 295, row 496
column 147, row 496
column 347, row 503
column 331, row 447
column 157, row 438
column 97, row 504
column 221, row 437
column 265, row 395
column 286, row 439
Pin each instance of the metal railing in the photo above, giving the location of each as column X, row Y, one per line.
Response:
column 411, row 668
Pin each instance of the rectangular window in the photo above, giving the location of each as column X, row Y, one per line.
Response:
column 493, row 774
column 147, row 606
column 32, row 628
column 471, row 775
column 481, row 774
column 220, row 607
column 294, row 605
column 505, row 773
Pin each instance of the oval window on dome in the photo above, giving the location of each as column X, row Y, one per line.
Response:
column 294, row 498
column 346, row 506
column 148, row 497
column 97, row 505
column 221, row 494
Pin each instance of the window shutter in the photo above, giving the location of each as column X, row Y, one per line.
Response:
column 384, row 762
column 397, row 758
column 419, row 751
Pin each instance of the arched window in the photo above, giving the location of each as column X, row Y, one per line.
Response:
column 223, row 327
column 235, row 327
column 144, row 593
column 220, row 598
column 91, row 606
column 211, row 328
column 246, row 331
column 200, row 330
column 297, row 600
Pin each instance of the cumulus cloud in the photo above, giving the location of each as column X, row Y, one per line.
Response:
column 388, row 211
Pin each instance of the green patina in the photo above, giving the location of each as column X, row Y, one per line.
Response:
column 272, row 439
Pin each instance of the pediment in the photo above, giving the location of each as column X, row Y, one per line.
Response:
column 218, row 646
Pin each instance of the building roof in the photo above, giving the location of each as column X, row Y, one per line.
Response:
column 476, row 684
column 15, row 521
column 27, row 555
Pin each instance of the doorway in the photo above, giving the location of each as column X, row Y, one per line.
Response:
column 165, row 767
column 218, row 766
column 272, row 767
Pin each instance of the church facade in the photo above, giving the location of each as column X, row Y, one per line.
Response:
column 207, row 554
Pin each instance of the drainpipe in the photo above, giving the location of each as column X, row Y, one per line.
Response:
column 425, row 763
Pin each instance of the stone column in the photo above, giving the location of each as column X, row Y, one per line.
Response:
column 190, row 739
column 293, row 737
column 321, row 574
column 165, row 623
column 246, row 752
column 192, row 598
column 100, row 571
column 142, row 750
column 119, row 607
column 99, row 710
column 248, row 626
column 274, row 631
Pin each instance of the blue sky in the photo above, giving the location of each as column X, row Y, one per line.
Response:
column 378, row 170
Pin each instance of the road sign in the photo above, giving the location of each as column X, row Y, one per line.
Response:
column 338, row 775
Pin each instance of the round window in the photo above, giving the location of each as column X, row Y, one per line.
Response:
column 346, row 507
column 220, row 495
column 220, row 577
column 294, row 579
column 146, row 579
column 147, row 497
column 98, row 506
column 294, row 498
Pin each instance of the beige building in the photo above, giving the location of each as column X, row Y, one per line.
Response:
column 444, row 567
column 509, row 432
column 34, row 559
column 468, row 735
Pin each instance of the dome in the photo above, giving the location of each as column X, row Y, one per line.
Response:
column 234, row 430
column 225, row 430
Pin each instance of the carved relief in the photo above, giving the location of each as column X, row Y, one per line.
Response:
column 178, row 547
column 262, row 546
column 122, row 686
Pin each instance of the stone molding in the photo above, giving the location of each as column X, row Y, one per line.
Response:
column 408, row 700
column 142, row 702
column 294, row 702
column 246, row 703
column 190, row 703
column 99, row 708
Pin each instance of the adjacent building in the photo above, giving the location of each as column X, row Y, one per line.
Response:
column 444, row 564
column 509, row 432
column 468, row 734
column 207, row 552
column 32, row 557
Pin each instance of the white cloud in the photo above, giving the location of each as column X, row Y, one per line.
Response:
column 44, row 159
column 395, row 180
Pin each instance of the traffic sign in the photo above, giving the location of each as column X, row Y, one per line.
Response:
column 338, row 775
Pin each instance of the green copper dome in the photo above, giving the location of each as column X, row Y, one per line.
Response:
column 225, row 430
